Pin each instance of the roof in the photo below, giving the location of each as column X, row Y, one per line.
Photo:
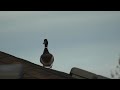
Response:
column 83, row 74
column 31, row 70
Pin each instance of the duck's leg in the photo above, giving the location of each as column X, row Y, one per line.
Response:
column 50, row 67
column 43, row 66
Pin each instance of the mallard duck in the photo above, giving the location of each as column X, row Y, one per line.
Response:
column 46, row 58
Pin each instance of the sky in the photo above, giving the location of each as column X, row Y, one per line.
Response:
column 88, row 40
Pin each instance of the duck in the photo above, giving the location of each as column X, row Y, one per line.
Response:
column 46, row 58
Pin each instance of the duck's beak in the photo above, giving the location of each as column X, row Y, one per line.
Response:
column 43, row 42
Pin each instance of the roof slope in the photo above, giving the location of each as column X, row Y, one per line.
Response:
column 31, row 70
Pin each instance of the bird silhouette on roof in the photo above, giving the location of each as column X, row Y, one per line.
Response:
column 46, row 58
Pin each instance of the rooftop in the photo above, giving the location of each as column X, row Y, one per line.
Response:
column 31, row 70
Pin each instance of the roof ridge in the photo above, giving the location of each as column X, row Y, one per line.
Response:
column 18, row 57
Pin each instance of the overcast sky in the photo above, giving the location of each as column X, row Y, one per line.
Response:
column 89, row 40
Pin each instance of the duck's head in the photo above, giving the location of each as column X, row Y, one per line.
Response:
column 45, row 42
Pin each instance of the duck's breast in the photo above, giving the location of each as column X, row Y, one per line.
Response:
column 47, row 59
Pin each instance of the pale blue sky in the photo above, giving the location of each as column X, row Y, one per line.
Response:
column 88, row 40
